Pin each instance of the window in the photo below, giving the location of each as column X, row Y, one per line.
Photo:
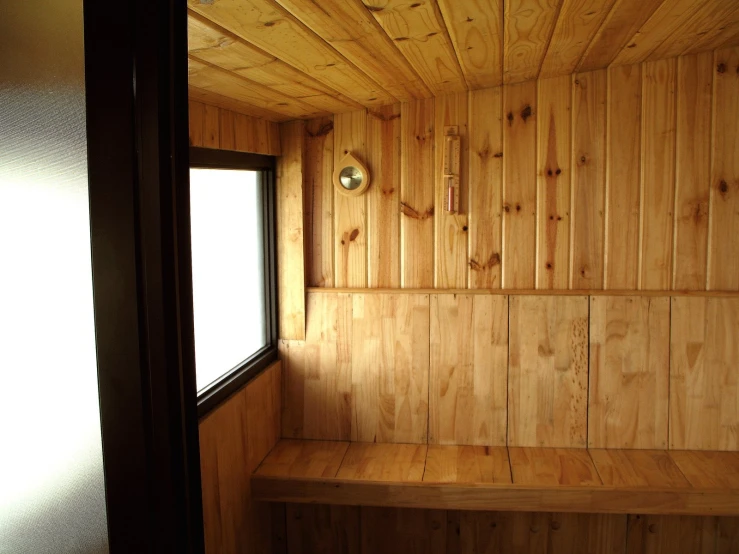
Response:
column 232, row 222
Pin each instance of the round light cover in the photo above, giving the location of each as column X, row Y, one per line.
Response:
column 351, row 176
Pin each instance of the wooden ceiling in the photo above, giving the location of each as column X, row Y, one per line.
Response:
column 288, row 59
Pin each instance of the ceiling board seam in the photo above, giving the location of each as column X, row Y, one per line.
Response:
column 551, row 35
column 274, row 116
column 696, row 10
column 598, row 34
column 449, row 41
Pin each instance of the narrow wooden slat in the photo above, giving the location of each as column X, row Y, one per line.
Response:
column 292, row 458
column 704, row 386
column 476, row 30
column 292, row 357
column 485, row 187
column 629, row 372
column 390, row 360
column 658, row 174
column 467, row 383
column 451, row 229
column 383, row 462
column 211, row 127
column 268, row 26
column 637, row 468
column 291, row 284
column 717, row 31
column 588, row 179
column 728, row 535
column 623, row 177
column 535, row 292
column 553, row 182
column 709, row 470
column 692, row 171
column 256, row 135
column 623, row 21
column 519, row 185
column 350, row 212
column 552, row 466
column 654, row 534
column 576, row 26
column 419, row 32
column 528, row 27
column 196, row 111
column 227, row 119
column 467, row 464
column 351, row 30
column 309, row 527
column 383, row 197
column 417, row 194
column 723, row 271
column 263, row 415
column 319, row 202
column 386, row 530
column 548, row 371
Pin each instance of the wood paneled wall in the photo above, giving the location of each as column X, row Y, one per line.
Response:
column 214, row 127
column 649, row 372
column 234, row 439
column 618, row 179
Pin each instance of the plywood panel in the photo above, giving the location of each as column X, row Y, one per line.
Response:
column 319, row 202
column 451, row 229
column 528, row 27
column 390, row 361
column 724, row 227
column 289, row 196
column 350, row 212
column 692, row 171
column 476, row 30
column 629, row 372
column 658, row 174
column 548, row 371
column 588, row 179
column 417, row 194
column 704, row 385
column 623, row 190
column 671, row 535
column 553, row 182
column 467, row 383
column 400, row 531
column 419, row 32
column 485, row 187
column 519, row 185
column 315, row 528
column 383, row 196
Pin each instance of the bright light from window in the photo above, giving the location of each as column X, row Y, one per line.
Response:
column 227, row 270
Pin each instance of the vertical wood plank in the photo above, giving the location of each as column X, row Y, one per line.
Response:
column 553, row 179
column 548, row 371
column 468, row 379
column 196, row 114
column 485, row 187
column 315, row 528
column 724, row 228
column 728, row 535
column 263, row 415
column 588, row 179
column 211, row 127
column 658, row 174
column 318, row 201
column 245, row 136
column 692, row 171
column 451, row 229
column 671, row 535
column 390, row 361
column 227, row 137
column 417, row 194
column 290, row 252
column 401, row 531
column 704, row 384
column 629, row 372
column 623, row 178
column 350, row 212
column 519, row 185
column 292, row 358
column 383, row 196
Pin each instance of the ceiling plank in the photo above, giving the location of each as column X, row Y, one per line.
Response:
column 270, row 27
column 625, row 19
column 576, row 26
column 214, row 79
column 711, row 20
column 663, row 24
column 350, row 28
column 528, row 27
column 476, row 30
column 228, row 103
column 217, row 46
column 419, row 32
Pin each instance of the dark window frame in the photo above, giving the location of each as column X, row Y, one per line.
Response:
column 234, row 379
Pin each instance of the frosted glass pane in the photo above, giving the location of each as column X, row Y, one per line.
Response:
column 52, row 497
column 227, row 270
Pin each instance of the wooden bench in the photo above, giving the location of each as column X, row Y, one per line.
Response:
column 500, row 478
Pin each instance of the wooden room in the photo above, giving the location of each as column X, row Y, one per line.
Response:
column 501, row 264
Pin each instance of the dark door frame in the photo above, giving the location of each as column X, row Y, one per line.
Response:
column 137, row 132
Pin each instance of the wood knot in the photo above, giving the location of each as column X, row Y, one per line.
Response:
column 632, row 45
column 518, row 207
column 354, row 234
column 526, row 113
column 558, row 172
column 465, row 228
column 373, row 8
column 721, row 68
column 653, row 528
column 506, row 208
column 555, row 526
column 493, row 525
column 432, row 35
column 270, row 24
column 415, row 5
column 550, row 172
column 549, row 265
column 583, row 159
column 723, row 187
column 498, row 155
column 509, row 117
column 401, row 39
column 323, row 130
column 408, row 210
